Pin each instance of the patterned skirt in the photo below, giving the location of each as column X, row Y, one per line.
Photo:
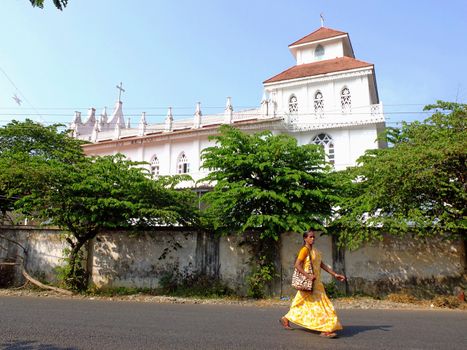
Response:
column 314, row 310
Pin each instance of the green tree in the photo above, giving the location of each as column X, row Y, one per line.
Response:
column 56, row 183
column 59, row 4
column 265, row 185
column 27, row 152
column 417, row 186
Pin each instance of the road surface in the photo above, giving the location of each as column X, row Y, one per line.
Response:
column 29, row 323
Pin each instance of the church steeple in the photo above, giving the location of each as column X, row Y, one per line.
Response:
column 322, row 44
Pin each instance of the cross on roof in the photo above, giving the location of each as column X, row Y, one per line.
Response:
column 321, row 16
column 120, row 87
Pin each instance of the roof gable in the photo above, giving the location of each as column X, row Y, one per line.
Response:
column 319, row 34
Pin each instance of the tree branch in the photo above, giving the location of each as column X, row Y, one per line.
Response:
column 43, row 286
column 14, row 242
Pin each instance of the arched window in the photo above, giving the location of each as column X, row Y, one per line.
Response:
column 327, row 143
column 346, row 100
column 319, row 103
column 293, row 104
column 183, row 166
column 154, row 166
column 319, row 52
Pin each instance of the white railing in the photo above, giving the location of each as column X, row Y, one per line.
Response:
column 335, row 118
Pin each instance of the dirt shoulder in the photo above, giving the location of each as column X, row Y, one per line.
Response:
column 340, row 303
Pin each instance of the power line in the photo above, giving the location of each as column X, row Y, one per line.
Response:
column 178, row 107
column 219, row 114
column 19, row 91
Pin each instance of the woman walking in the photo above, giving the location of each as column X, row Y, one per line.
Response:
column 313, row 310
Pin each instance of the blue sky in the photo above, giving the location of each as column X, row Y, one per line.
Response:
column 176, row 53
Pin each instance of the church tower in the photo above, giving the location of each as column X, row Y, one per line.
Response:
column 329, row 93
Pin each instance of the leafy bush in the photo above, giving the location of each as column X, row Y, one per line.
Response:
column 78, row 280
column 258, row 279
column 332, row 290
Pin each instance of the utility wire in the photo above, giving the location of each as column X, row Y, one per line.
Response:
column 211, row 115
column 183, row 107
column 20, row 92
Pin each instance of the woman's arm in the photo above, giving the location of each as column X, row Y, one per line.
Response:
column 332, row 273
column 299, row 266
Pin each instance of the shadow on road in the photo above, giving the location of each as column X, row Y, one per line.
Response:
column 30, row 345
column 350, row 331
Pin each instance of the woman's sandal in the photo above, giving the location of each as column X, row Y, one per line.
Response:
column 328, row 334
column 285, row 323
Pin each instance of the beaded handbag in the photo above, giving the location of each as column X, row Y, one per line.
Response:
column 299, row 280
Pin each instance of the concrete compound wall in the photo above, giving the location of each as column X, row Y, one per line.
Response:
column 44, row 251
column 140, row 261
column 415, row 265
column 120, row 259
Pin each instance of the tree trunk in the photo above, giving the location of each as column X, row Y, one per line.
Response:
column 76, row 278
column 338, row 263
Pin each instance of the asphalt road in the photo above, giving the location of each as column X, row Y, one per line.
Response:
column 47, row 323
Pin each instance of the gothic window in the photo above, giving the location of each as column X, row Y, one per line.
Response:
column 154, row 166
column 346, row 100
column 293, row 104
column 183, row 166
column 319, row 103
column 319, row 52
column 327, row 143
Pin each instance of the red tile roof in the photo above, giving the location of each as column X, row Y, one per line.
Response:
column 319, row 34
column 317, row 68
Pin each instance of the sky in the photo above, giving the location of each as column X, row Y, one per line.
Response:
column 176, row 53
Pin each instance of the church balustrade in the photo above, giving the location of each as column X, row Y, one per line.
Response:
column 334, row 118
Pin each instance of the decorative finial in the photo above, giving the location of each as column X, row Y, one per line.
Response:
column 228, row 113
column 168, row 120
column 198, row 116
column 322, row 19
column 142, row 124
column 120, row 88
column 228, row 104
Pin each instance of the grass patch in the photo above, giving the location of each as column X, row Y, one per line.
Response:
column 174, row 285
column 442, row 301
column 447, row 301
column 200, row 286
column 402, row 298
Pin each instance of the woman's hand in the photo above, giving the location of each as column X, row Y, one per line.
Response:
column 341, row 278
column 311, row 277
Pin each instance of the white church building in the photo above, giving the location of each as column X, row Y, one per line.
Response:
column 328, row 98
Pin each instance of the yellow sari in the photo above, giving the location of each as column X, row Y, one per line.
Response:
column 313, row 310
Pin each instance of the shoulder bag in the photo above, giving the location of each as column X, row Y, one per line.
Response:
column 300, row 281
